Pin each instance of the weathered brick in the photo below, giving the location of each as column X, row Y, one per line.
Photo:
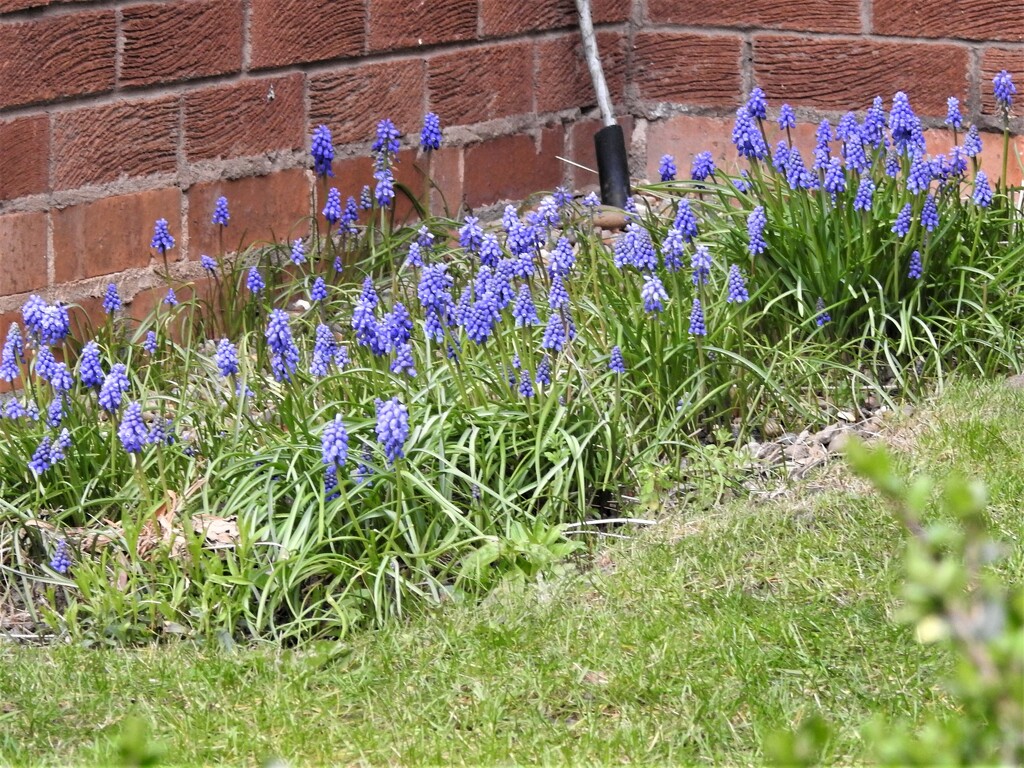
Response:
column 113, row 234
column 963, row 19
column 262, row 208
column 10, row 6
column 351, row 100
column 563, row 80
column 50, row 58
column 396, row 24
column 154, row 34
column 24, row 156
column 809, row 15
column 583, row 152
column 22, row 252
column 284, row 32
column 994, row 61
column 513, row 167
column 848, row 74
column 240, row 120
column 500, row 18
column 124, row 139
column 687, row 68
column 501, row 77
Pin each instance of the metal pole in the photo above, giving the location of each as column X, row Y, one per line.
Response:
column 604, row 99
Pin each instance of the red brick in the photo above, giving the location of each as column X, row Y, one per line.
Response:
column 563, row 80
column 513, row 167
column 50, row 58
column 22, row 252
column 263, row 209
column 963, row 19
column 154, row 33
column 688, row 68
column 10, row 6
column 353, row 99
column 684, row 136
column 501, row 18
column 940, row 141
column 994, row 61
column 113, row 234
column 24, row 156
column 848, row 74
column 583, row 152
column 124, row 139
column 810, row 15
column 284, row 32
column 240, row 120
column 396, row 24
column 501, row 78
column 445, row 167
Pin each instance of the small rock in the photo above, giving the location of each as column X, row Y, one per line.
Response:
column 824, row 436
column 610, row 219
column 838, row 443
column 788, row 438
column 797, row 452
column 1016, row 382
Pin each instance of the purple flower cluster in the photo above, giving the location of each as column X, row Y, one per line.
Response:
column 392, row 427
column 334, row 443
column 226, row 358
column 111, row 300
column 13, row 353
column 284, row 354
column 667, row 168
column 220, row 212
column 697, row 325
column 162, row 240
column 756, row 222
column 322, row 151
column 430, row 136
column 48, row 323
column 737, row 286
column 915, row 270
column 616, row 364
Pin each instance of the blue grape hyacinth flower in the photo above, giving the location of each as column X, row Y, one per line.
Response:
column 702, row 167
column 226, row 358
column 787, row 117
column 90, row 369
column 162, row 240
column 220, row 212
column 254, row 282
column 13, row 353
column 207, row 263
column 111, row 300
column 982, row 196
column 903, row 219
column 150, row 342
column 756, row 222
column 737, row 286
column 430, row 136
column 954, row 118
column 757, row 104
column 332, row 208
column 284, row 354
column 915, row 270
column 653, row 294
column 697, row 324
column 667, row 168
column 616, row 364
column 822, row 316
column 334, row 443
column 1004, row 90
column 61, row 560
column 132, row 432
column 322, row 151
column 392, row 427
column 115, row 385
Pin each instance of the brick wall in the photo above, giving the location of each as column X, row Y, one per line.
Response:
column 114, row 114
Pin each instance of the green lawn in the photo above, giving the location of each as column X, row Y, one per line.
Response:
column 691, row 642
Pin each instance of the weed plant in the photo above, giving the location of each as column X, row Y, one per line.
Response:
column 387, row 413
